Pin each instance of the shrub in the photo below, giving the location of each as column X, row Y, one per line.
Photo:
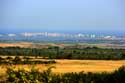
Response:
column 46, row 76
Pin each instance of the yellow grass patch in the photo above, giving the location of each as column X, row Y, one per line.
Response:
column 64, row 66
column 22, row 44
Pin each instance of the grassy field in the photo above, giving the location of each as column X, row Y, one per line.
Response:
column 22, row 44
column 45, row 45
column 64, row 66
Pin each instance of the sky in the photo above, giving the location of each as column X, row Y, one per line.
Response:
column 92, row 16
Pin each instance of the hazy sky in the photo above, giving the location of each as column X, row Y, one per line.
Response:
column 62, row 15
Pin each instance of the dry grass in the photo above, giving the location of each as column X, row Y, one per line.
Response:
column 46, row 45
column 22, row 44
column 64, row 66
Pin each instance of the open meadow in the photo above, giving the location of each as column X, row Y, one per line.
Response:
column 62, row 65
column 66, row 66
column 54, row 63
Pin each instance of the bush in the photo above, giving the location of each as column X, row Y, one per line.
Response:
column 35, row 76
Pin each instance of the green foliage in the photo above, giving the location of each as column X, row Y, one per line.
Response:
column 25, row 60
column 47, row 76
column 22, row 76
column 91, row 53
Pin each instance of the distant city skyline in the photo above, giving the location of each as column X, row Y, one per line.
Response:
column 57, row 34
column 63, row 16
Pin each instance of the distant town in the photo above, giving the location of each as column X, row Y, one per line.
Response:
column 49, row 37
column 64, row 35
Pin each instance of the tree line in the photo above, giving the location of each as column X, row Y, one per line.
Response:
column 91, row 53
column 24, row 60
